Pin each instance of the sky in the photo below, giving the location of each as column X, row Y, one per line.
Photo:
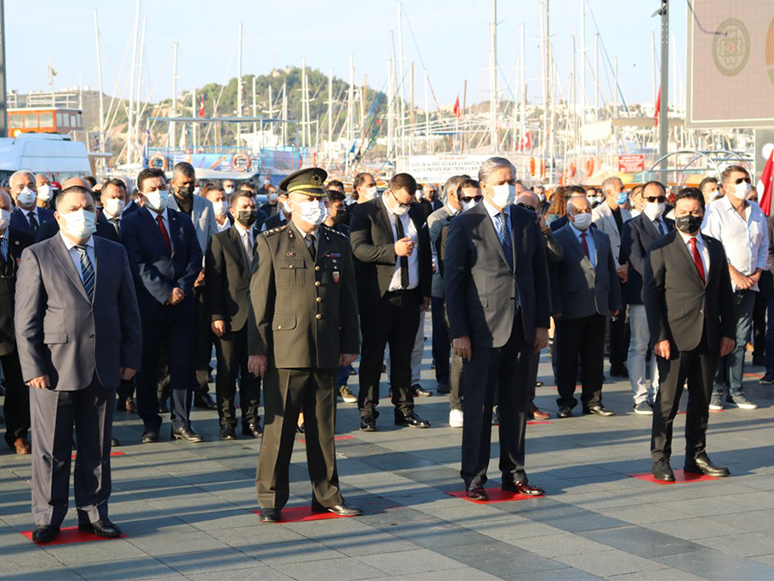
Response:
column 450, row 38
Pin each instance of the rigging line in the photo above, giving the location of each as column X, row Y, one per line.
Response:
column 220, row 94
column 421, row 60
column 698, row 23
column 607, row 58
column 117, row 86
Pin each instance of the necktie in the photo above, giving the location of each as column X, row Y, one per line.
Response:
column 248, row 248
column 87, row 272
column 697, row 259
column 164, row 233
column 404, row 262
column 116, row 225
column 505, row 238
column 3, row 253
column 585, row 245
column 33, row 222
column 660, row 226
column 312, row 247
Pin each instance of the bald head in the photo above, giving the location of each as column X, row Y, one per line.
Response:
column 76, row 182
column 528, row 199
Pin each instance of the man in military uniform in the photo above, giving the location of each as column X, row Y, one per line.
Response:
column 298, row 342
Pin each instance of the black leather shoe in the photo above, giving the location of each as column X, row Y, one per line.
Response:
column 271, row 515
column 564, row 412
column 339, row 509
column 163, row 407
column 186, row 434
column 477, row 493
column 101, row 528
column 663, row 471
column 114, row 443
column 227, row 433
column 419, row 391
column 599, row 410
column 44, row 534
column 367, row 424
column 204, row 401
column 703, row 465
column 443, row 388
column 523, row 487
column 150, row 436
column 253, row 430
column 619, row 371
column 411, row 419
column 301, row 429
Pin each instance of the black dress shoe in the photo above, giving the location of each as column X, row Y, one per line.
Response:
column 703, row 465
column 599, row 410
column 227, row 433
column 663, row 471
column 443, row 388
column 538, row 384
column 523, row 487
column 419, row 391
column 339, row 509
column 367, row 424
column 477, row 493
column 411, row 419
column 619, row 371
column 163, row 407
column 270, row 515
column 301, row 429
column 564, row 412
column 114, row 443
column 253, row 430
column 204, row 401
column 150, row 436
column 186, row 434
column 44, row 534
column 101, row 528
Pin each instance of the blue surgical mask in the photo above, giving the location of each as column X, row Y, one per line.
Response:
column 623, row 197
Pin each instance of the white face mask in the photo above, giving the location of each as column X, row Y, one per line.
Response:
column 653, row 210
column 468, row 205
column 503, row 195
column 5, row 219
column 26, row 197
column 114, row 207
column 80, row 224
column 157, row 200
column 582, row 221
column 44, row 193
column 312, row 212
column 368, row 193
column 220, row 207
column 741, row 191
column 272, row 196
column 229, row 190
column 286, row 207
column 266, row 182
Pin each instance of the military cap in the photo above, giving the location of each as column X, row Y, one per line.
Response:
column 307, row 181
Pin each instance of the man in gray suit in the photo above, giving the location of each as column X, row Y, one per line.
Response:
column 78, row 335
column 583, row 295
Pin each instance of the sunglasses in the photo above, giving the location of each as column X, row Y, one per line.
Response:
column 740, row 180
column 659, row 199
column 523, row 205
column 471, row 198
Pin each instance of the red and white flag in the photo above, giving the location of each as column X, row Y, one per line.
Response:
column 657, row 113
column 765, row 185
column 526, row 141
column 201, row 107
column 457, row 110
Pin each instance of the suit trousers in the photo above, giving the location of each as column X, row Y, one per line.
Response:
column 637, row 359
column 584, row 337
column 232, row 354
column 16, row 407
column 394, row 320
column 619, row 336
column 532, row 381
column 204, row 341
column 54, row 413
column 126, row 390
column 504, row 371
column 176, row 335
column 441, row 341
column 286, row 393
column 698, row 367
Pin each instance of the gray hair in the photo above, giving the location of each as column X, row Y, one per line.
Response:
column 451, row 185
column 18, row 174
column 609, row 183
column 491, row 165
column 571, row 209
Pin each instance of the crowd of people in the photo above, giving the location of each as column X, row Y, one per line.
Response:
column 122, row 292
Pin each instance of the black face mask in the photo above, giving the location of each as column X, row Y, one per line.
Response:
column 689, row 224
column 247, row 217
column 185, row 191
column 339, row 217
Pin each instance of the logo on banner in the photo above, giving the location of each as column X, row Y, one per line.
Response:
column 731, row 47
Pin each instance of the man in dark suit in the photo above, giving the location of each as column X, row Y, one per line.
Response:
column 227, row 267
column 690, row 307
column 78, row 334
column 393, row 265
column 639, row 234
column 27, row 216
column 281, row 217
column 584, row 292
column 17, row 401
column 497, row 299
column 166, row 259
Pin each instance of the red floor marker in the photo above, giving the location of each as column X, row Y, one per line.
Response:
column 535, row 422
column 495, row 495
column 112, row 454
column 680, row 477
column 303, row 514
column 71, row 535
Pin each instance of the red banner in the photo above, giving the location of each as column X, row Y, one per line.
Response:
column 631, row 163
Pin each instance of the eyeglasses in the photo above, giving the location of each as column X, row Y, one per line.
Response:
column 523, row 205
column 659, row 199
column 469, row 199
column 740, row 180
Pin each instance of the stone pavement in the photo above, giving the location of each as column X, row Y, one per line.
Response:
column 187, row 509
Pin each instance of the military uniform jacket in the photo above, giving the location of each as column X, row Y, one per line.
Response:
column 303, row 312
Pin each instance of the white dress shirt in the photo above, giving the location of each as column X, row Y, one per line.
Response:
column 248, row 232
column 589, row 242
column 409, row 231
column 745, row 240
column 76, row 257
column 493, row 212
column 703, row 252
column 164, row 218
column 225, row 226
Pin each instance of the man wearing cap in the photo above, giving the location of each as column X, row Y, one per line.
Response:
column 299, row 342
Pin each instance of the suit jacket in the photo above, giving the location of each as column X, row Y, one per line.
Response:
column 227, row 277
column 60, row 333
column 274, row 221
column 679, row 307
column 203, row 218
column 373, row 246
column 104, row 230
column 603, row 217
column 155, row 272
column 479, row 284
column 303, row 311
column 638, row 236
column 579, row 289
column 19, row 219
column 435, row 223
column 18, row 240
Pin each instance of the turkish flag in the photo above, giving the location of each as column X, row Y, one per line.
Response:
column 201, row 107
column 658, row 106
column 526, row 141
column 457, row 111
column 765, row 185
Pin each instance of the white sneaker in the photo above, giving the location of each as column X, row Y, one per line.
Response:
column 742, row 402
column 455, row 419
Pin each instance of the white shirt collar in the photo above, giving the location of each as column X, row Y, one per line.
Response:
column 34, row 211
column 69, row 244
column 452, row 210
column 578, row 231
column 164, row 215
column 241, row 230
column 687, row 237
column 492, row 211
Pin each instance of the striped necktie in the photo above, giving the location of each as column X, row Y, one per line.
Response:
column 87, row 272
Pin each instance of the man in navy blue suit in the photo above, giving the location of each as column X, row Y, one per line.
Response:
column 165, row 258
column 27, row 217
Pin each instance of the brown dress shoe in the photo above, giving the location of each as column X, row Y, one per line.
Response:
column 477, row 493
column 523, row 487
column 536, row 414
column 22, row 446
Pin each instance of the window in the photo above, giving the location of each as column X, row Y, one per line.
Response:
column 65, row 120
column 15, row 120
column 47, row 120
column 30, row 120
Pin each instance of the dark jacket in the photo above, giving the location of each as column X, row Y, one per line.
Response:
column 19, row 219
column 639, row 234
